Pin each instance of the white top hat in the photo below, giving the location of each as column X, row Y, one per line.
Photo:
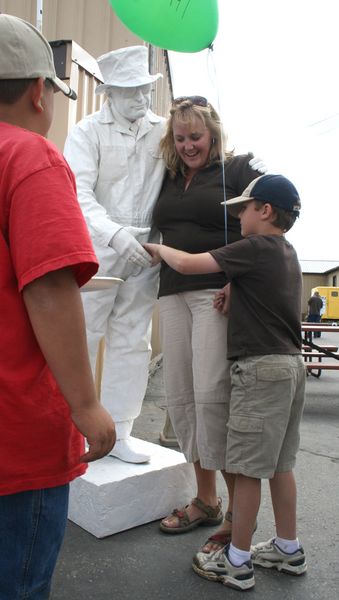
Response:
column 126, row 67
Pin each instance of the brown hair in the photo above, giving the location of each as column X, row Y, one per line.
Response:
column 11, row 90
column 282, row 218
column 186, row 112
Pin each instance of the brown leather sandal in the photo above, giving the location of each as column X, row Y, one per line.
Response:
column 223, row 538
column 213, row 516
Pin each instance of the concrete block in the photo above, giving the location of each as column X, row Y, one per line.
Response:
column 114, row 496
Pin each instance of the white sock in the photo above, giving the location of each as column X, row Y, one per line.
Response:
column 238, row 557
column 288, row 546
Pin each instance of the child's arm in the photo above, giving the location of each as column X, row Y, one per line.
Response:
column 55, row 310
column 222, row 299
column 183, row 262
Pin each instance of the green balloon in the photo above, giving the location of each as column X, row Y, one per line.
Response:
column 181, row 25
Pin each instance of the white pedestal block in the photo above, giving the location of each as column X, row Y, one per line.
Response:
column 113, row 495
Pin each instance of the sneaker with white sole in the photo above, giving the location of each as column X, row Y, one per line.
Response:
column 216, row 566
column 270, row 556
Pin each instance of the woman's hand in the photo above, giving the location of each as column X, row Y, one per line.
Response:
column 154, row 251
column 222, row 299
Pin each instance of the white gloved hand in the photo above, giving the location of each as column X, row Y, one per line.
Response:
column 258, row 164
column 139, row 233
column 125, row 244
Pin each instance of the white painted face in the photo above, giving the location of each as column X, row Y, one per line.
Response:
column 132, row 103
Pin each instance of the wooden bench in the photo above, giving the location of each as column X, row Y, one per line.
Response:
column 314, row 354
column 314, row 365
column 313, row 357
column 318, row 365
column 306, row 348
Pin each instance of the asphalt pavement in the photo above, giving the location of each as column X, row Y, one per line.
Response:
column 146, row 564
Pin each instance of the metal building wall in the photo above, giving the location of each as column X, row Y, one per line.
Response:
column 25, row 9
column 94, row 27
column 92, row 24
column 81, row 71
column 330, row 277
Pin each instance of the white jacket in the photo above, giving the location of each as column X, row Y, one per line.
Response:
column 118, row 175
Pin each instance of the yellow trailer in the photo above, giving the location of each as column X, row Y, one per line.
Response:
column 330, row 298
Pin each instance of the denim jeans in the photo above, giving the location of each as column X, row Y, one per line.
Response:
column 313, row 318
column 32, row 527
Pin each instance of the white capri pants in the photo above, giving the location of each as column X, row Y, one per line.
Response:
column 196, row 374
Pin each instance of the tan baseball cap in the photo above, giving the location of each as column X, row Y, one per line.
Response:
column 26, row 54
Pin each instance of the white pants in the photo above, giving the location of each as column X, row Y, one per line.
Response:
column 196, row 374
column 122, row 315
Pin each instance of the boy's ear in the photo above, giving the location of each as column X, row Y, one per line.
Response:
column 268, row 210
column 37, row 93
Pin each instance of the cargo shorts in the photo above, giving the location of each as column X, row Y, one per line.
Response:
column 266, row 406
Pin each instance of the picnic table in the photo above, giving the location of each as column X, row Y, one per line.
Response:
column 318, row 351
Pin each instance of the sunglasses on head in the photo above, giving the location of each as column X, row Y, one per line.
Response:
column 196, row 100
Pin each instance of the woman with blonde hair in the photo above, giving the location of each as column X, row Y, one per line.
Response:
column 190, row 217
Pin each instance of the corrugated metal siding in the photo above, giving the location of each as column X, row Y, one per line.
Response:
column 25, row 9
column 333, row 278
column 161, row 93
column 96, row 28
column 93, row 25
column 78, row 69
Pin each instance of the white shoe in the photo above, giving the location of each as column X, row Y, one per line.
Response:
column 269, row 555
column 129, row 451
column 216, row 566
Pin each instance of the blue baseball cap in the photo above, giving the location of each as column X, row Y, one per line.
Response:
column 273, row 189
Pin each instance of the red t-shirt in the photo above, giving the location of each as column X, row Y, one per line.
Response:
column 41, row 230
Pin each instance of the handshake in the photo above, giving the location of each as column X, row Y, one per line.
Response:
column 127, row 242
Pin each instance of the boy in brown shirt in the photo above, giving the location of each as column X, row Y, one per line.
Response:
column 268, row 376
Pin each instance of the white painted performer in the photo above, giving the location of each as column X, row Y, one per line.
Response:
column 114, row 155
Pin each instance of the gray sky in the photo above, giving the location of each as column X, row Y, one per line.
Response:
column 274, row 76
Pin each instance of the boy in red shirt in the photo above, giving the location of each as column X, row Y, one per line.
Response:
column 47, row 394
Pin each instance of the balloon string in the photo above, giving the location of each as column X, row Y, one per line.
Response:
column 224, row 195
column 213, row 79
